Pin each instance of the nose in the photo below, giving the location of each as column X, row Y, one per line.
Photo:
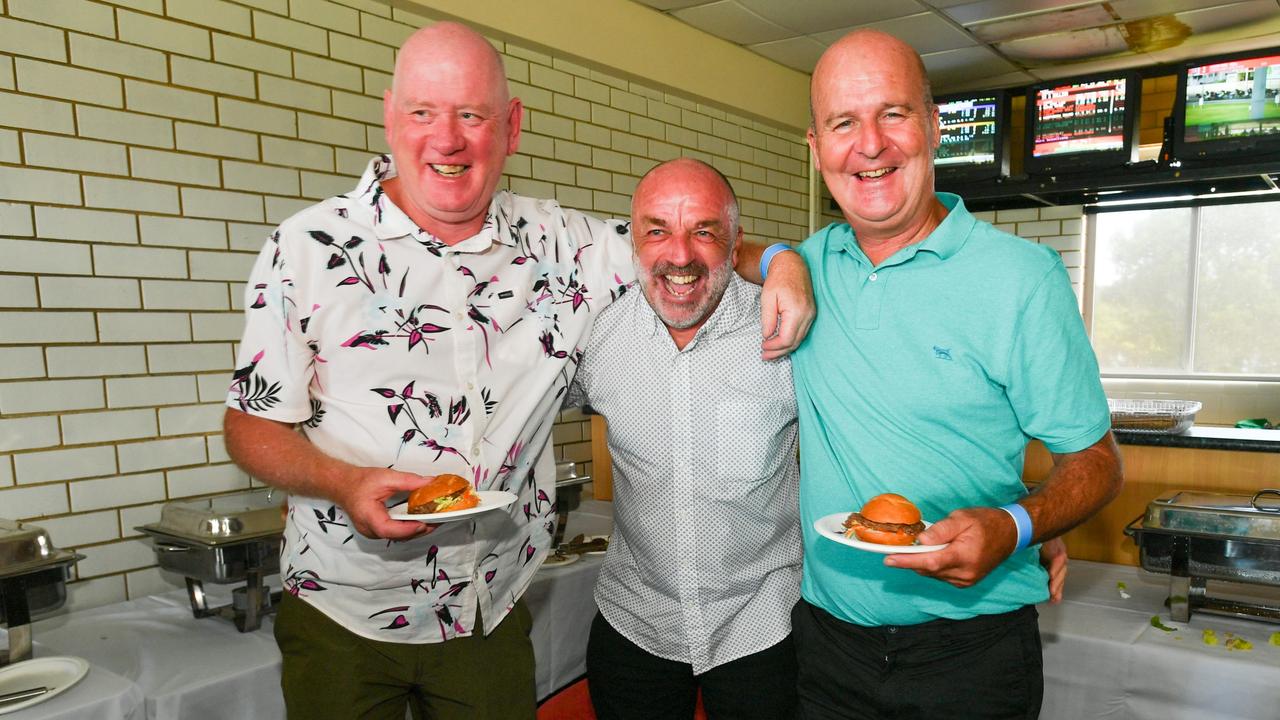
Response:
column 446, row 135
column 870, row 140
column 680, row 249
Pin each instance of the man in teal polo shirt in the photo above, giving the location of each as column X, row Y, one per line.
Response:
column 942, row 345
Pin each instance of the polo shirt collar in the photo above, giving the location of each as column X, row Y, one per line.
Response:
column 945, row 240
column 391, row 223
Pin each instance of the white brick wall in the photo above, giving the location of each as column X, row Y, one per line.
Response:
column 146, row 149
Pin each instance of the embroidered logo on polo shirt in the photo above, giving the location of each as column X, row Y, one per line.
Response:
column 941, row 353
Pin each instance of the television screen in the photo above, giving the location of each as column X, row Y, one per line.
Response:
column 1081, row 117
column 1082, row 123
column 969, row 131
column 1232, row 99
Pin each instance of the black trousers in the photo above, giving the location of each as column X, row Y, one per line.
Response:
column 987, row 667
column 628, row 683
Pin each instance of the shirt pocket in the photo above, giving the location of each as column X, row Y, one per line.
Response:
column 747, row 437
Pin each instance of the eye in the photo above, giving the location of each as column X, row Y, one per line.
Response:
column 470, row 118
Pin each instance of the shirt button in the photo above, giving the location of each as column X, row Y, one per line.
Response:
column 893, row 629
column 471, row 386
column 457, row 315
column 872, row 277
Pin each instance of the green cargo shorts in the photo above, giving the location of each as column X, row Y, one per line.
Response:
column 330, row 672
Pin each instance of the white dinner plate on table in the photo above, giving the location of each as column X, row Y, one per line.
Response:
column 832, row 528
column 56, row 673
column 489, row 500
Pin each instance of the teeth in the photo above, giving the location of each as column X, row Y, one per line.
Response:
column 875, row 173
column 449, row 170
column 681, row 279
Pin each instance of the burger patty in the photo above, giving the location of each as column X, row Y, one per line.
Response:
column 914, row 528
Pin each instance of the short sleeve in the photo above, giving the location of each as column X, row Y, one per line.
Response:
column 1054, row 386
column 275, row 364
column 604, row 254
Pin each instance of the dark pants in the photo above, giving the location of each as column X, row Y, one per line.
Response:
column 330, row 672
column 985, row 667
column 628, row 683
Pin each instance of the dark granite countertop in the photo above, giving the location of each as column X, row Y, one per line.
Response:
column 1208, row 438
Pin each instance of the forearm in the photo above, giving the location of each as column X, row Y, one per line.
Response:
column 1078, row 486
column 748, row 265
column 274, row 453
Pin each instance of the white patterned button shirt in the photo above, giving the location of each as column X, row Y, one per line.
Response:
column 393, row 349
column 704, row 566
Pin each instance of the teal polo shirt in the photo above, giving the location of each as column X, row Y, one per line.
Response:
column 926, row 376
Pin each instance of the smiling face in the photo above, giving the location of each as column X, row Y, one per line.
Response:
column 874, row 135
column 684, row 225
column 450, row 126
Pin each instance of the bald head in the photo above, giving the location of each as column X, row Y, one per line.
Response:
column 686, row 172
column 454, row 44
column 858, row 46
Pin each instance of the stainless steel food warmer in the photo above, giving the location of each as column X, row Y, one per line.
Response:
column 1198, row 536
column 226, row 539
column 33, row 580
column 569, row 486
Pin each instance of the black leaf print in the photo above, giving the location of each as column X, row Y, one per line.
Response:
column 262, row 395
column 385, row 392
column 321, row 237
column 302, row 323
column 353, row 242
column 336, row 260
column 317, row 414
column 394, row 411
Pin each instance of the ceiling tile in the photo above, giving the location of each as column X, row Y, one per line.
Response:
column 1013, row 79
column 925, row 32
column 729, row 20
column 1123, row 62
column 812, row 16
column 1043, row 24
column 955, row 66
column 1066, row 47
column 1135, row 9
column 800, row 53
column 1238, row 16
column 671, row 4
column 995, row 10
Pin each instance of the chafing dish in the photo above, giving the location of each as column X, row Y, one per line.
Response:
column 226, row 539
column 1197, row 536
column 568, row 496
column 33, row 580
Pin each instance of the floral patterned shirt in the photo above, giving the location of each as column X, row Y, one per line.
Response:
column 393, row 349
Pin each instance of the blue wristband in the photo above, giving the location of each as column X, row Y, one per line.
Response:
column 1023, row 521
column 767, row 256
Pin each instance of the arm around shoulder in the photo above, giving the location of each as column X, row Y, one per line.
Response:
column 787, row 308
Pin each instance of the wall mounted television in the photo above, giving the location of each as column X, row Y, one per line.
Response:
column 974, row 142
column 1084, row 123
column 1228, row 106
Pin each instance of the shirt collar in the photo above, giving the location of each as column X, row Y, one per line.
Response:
column 945, row 240
column 733, row 310
column 391, row 223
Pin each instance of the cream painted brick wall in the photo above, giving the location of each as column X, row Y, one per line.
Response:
column 147, row 147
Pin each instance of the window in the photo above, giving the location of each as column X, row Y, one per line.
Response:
column 1188, row 291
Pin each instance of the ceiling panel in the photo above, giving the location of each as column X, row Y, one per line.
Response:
column 1044, row 24
column 731, row 21
column 671, row 4
column 993, row 10
column 1014, row 79
column 800, row 53
column 952, row 66
column 1134, row 9
column 1066, row 47
column 925, row 32
column 811, row 16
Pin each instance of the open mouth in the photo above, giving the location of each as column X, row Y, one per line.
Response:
column 680, row 285
column 449, row 170
column 875, row 174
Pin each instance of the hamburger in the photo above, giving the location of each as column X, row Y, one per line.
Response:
column 887, row 519
column 445, row 493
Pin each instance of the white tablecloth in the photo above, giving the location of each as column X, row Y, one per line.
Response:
column 100, row 695
column 185, row 668
column 1104, row 659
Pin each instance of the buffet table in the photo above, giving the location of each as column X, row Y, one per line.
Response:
column 152, row 655
column 1103, row 657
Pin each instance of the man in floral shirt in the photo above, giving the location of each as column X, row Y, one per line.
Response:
column 425, row 323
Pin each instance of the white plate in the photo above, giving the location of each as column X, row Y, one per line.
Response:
column 55, row 673
column 831, row 527
column 489, row 500
column 554, row 560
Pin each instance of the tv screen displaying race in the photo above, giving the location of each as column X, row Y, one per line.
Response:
column 969, row 131
column 1233, row 99
column 1080, row 117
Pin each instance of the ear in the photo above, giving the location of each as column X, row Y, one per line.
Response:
column 515, row 114
column 388, row 112
column 733, row 256
column 936, row 121
column 811, row 136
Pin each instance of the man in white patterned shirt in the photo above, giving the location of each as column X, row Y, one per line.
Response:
column 704, row 566
column 425, row 323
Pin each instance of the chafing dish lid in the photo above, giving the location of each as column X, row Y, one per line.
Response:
column 567, row 475
column 223, row 518
column 1254, row 516
column 25, row 548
